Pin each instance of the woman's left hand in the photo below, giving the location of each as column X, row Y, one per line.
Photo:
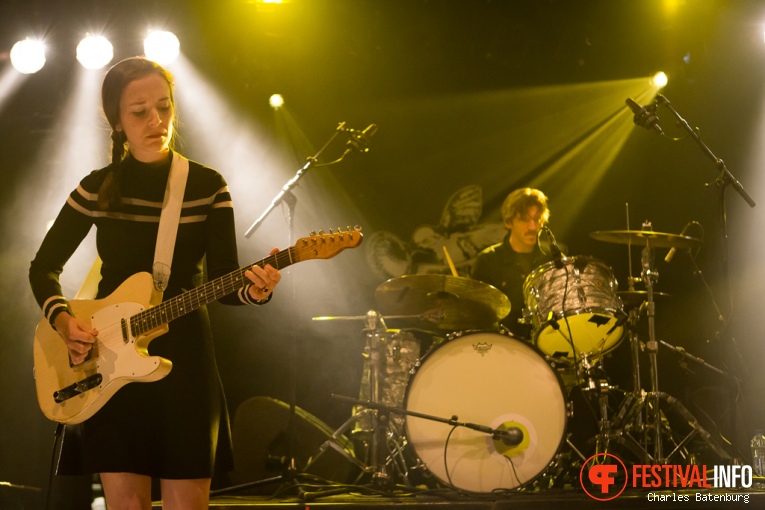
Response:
column 264, row 279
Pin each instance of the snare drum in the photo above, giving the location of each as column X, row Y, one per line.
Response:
column 493, row 380
column 574, row 307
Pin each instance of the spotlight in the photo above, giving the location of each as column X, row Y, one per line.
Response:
column 161, row 47
column 94, row 52
column 659, row 79
column 276, row 101
column 28, row 56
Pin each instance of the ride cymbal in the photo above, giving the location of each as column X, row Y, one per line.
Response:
column 646, row 237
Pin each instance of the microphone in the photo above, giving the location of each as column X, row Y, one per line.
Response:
column 554, row 248
column 360, row 139
column 644, row 117
column 513, row 436
column 673, row 250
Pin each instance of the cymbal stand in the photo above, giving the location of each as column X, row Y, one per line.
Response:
column 652, row 401
column 628, row 412
column 368, row 419
column 628, row 418
column 653, row 415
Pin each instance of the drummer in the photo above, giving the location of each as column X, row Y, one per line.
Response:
column 507, row 264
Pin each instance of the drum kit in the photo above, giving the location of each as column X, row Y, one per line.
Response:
column 515, row 395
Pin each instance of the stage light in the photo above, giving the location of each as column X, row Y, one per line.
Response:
column 94, row 52
column 161, row 47
column 28, row 56
column 659, row 79
column 276, row 101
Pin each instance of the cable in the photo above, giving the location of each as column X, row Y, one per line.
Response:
column 446, row 465
column 52, row 471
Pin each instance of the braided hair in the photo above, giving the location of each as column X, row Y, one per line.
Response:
column 115, row 81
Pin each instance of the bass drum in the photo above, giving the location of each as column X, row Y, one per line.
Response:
column 493, row 380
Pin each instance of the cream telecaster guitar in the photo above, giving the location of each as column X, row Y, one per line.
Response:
column 131, row 317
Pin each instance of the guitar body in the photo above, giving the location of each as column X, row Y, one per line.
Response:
column 117, row 358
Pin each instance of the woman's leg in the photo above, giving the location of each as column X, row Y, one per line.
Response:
column 126, row 491
column 185, row 494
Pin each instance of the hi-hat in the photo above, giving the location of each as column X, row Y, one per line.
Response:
column 449, row 302
column 633, row 298
column 646, row 238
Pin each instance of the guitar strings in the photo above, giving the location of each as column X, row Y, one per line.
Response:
column 113, row 333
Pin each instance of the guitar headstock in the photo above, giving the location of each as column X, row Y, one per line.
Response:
column 325, row 246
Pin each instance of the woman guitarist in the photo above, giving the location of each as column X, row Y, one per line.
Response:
column 175, row 429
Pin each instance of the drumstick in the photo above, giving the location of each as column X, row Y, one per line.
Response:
column 449, row 260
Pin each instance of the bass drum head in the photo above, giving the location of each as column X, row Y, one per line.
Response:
column 492, row 380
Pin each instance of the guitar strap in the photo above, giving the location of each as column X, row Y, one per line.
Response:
column 168, row 229
column 169, row 220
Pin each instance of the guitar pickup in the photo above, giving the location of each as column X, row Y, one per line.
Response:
column 77, row 388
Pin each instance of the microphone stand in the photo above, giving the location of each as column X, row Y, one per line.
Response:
column 286, row 189
column 286, row 196
column 512, row 436
column 723, row 180
column 686, row 355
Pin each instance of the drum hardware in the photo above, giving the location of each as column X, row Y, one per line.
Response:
column 369, row 422
column 451, row 302
column 629, row 416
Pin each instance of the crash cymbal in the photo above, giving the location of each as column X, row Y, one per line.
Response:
column 449, row 302
column 646, row 237
column 636, row 297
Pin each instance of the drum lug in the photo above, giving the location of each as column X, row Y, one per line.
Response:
column 454, row 334
column 569, row 409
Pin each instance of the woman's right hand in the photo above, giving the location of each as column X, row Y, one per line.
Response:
column 78, row 336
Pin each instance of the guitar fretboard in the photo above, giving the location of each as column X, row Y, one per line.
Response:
column 191, row 300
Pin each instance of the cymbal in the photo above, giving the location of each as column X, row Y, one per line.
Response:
column 636, row 297
column 450, row 302
column 646, row 237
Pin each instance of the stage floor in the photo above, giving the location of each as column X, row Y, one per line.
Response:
column 563, row 498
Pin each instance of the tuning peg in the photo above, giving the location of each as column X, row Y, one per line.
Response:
column 313, row 233
column 357, row 228
column 330, row 231
column 321, row 232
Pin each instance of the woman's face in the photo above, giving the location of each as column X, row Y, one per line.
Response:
column 146, row 117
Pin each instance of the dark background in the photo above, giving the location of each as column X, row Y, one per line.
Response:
column 487, row 93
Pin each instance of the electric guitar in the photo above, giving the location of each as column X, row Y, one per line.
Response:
column 131, row 317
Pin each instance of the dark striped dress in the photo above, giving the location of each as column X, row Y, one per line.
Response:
column 177, row 427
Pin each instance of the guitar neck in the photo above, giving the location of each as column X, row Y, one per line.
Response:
column 193, row 299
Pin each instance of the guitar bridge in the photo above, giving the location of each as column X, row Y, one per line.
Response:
column 77, row 388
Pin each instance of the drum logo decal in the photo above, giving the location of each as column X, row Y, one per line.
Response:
column 482, row 348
